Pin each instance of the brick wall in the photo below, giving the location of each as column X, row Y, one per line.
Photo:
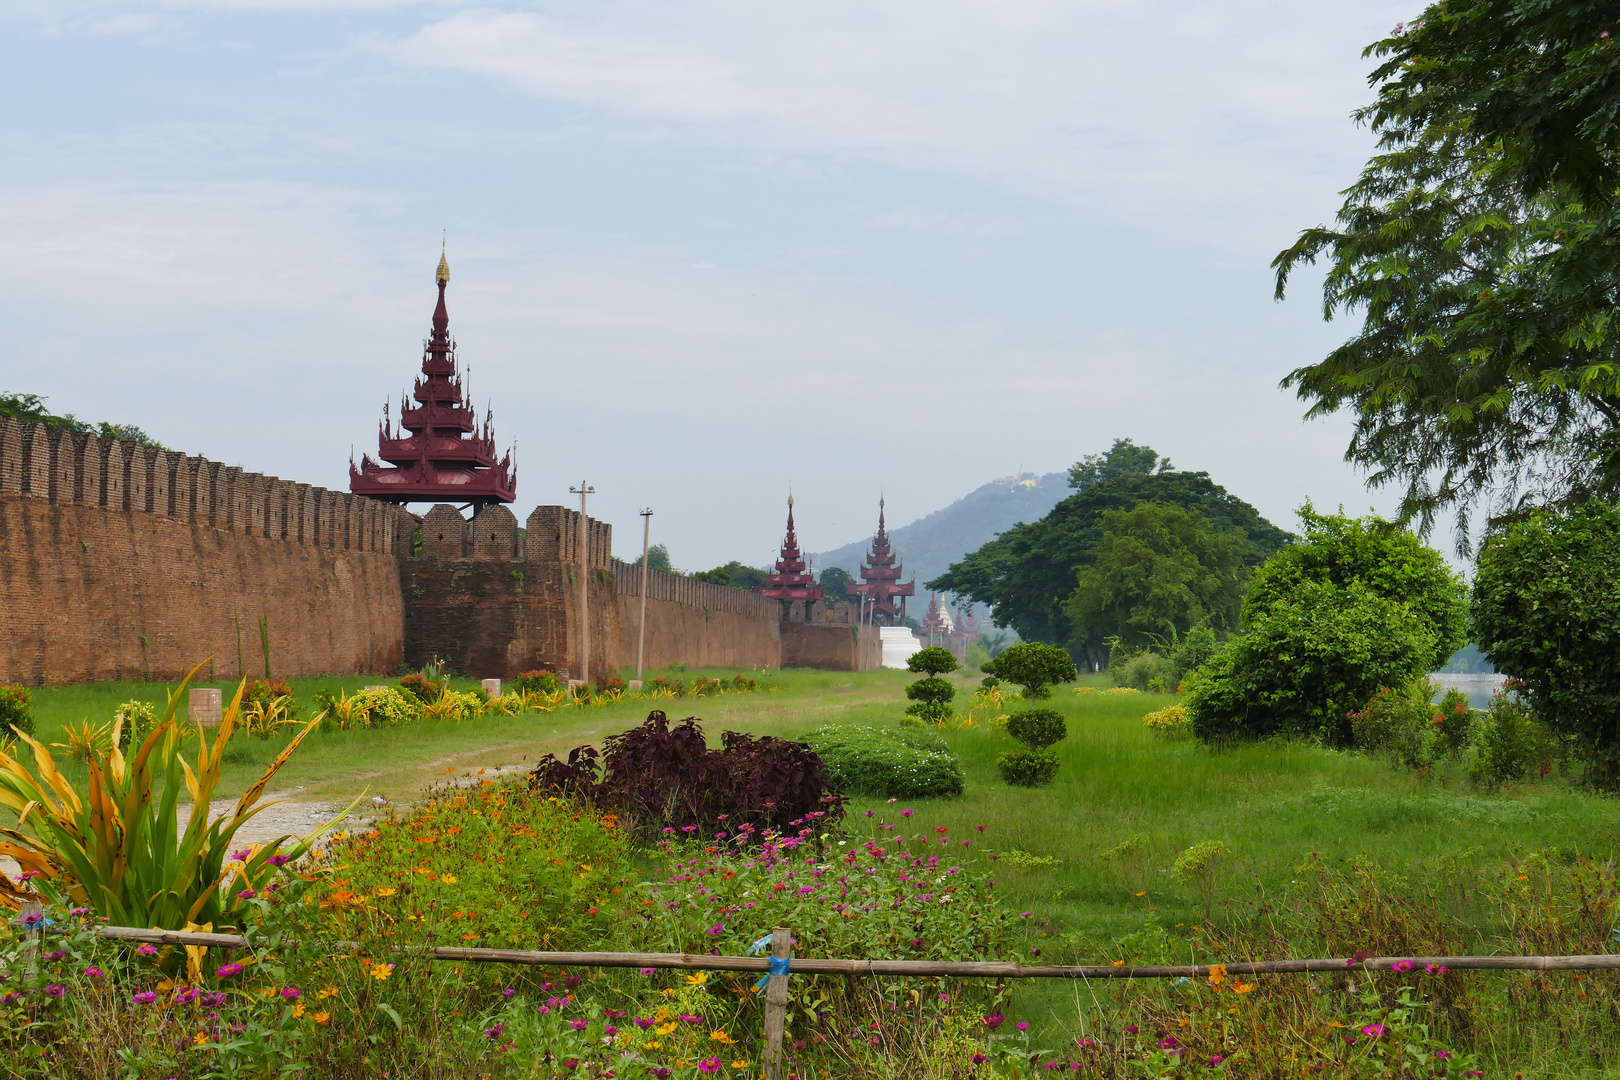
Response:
column 494, row 615
column 119, row 561
column 831, row 647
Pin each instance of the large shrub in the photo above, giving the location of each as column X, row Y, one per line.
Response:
column 660, row 775
column 1546, row 611
column 1513, row 743
column 16, row 710
column 1027, row 768
column 1305, row 663
column 530, row 682
column 1388, row 561
column 1034, row 666
column 1037, row 728
column 900, row 763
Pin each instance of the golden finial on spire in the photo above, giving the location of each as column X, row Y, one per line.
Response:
column 443, row 273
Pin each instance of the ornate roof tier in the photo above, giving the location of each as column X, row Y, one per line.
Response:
column 791, row 580
column 448, row 456
column 880, row 578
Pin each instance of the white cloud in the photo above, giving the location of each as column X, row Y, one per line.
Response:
column 1165, row 111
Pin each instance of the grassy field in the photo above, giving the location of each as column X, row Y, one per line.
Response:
column 1275, row 806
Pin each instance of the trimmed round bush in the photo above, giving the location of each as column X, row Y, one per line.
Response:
column 898, row 762
column 1035, row 667
column 1037, row 728
column 1028, row 768
column 932, row 661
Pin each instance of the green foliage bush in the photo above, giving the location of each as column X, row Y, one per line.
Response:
column 1388, row 561
column 1546, row 611
column 933, row 660
column 1305, row 663
column 16, row 710
column 139, row 719
column 1145, row 670
column 530, row 682
column 1036, row 667
column 267, row 691
column 1028, row 768
column 1037, row 728
column 423, row 688
column 900, row 762
column 1513, row 743
column 1402, row 724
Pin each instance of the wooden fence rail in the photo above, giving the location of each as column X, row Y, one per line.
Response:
column 777, row 972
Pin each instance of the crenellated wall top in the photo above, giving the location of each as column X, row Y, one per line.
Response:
column 69, row 468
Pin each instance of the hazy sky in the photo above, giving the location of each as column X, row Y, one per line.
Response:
column 700, row 251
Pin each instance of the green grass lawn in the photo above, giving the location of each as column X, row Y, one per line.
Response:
column 1273, row 805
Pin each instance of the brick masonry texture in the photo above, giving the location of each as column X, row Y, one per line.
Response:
column 123, row 562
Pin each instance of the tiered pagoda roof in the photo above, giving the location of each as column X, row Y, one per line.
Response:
column 880, row 578
column 791, row 580
column 448, row 456
column 936, row 623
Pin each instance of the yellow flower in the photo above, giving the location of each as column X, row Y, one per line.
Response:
column 199, row 1039
column 652, row 1045
column 1217, row 974
column 739, row 1064
column 323, row 1018
column 449, row 879
column 1119, row 963
column 697, row 979
column 326, row 992
column 381, row 971
column 298, row 1009
column 386, row 890
column 668, row 1029
column 661, row 1014
column 721, row 1037
column 1241, row 987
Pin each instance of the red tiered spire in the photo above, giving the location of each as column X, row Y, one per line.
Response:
column 791, row 581
column 936, row 623
column 448, row 456
column 880, row 578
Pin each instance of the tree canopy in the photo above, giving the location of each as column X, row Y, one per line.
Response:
column 1028, row 573
column 1481, row 248
column 1158, row 571
column 30, row 409
column 734, row 574
column 1390, row 561
column 658, row 559
column 835, row 581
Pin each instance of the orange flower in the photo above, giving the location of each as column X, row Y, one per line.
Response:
column 323, row 1018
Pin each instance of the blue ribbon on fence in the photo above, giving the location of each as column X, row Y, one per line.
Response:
column 778, row 965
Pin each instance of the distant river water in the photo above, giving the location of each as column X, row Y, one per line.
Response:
column 1478, row 686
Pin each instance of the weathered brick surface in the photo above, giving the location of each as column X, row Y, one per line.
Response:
column 119, row 561
column 831, row 647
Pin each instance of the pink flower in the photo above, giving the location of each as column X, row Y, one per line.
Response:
column 643, row 1022
column 1215, row 1059
column 1402, row 965
column 709, row 1065
column 493, row 1033
column 907, row 813
column 54, row 991
column 145, row 997
column 649, row 971
column 291, row 993
column 279, row 860
column 246, row 894
column 610, row 1030
column 993, row 1021
column 242, row 856
column 1022, row 1025
column 228, row 970
column 1373, row 1031
column 1435, row 969
column 977, row 1059
column 147, row 950
column 94, row 972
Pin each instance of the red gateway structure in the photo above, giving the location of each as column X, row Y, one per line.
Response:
column 447, row 457
column 936, row 625
column 791, row 581
column 880, row 579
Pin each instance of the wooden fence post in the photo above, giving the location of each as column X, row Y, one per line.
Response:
column 776, row 999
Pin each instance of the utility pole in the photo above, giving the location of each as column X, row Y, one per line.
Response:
column 583, row 490
column 641, row 632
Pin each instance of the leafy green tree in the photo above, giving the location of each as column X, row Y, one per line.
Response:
column 1123, row 459
column 30, row 408
column 1305, row 662
column 1028, row 573
column 834, row 582
column 933, row 660
column 1158, row 571
column 1546, row 611
column 735, row 575
column 658, row 559
column 1481, row 249
column 1036, row 667
column 1388, row 560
